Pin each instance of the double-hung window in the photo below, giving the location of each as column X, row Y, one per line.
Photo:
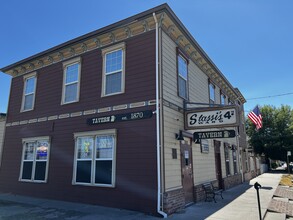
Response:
column 113, row 70
column 212, row 93
column 182, row 76
column 29, row 91
column 35, row 157
column 95, row 158
column 71, row 81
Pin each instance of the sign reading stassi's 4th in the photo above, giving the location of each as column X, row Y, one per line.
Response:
column 211, row 117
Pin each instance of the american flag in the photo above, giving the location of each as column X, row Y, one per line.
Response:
column 255, row 117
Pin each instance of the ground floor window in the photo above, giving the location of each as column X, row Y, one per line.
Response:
column 234, row 159
column 227, row 159
column 35, row 155
column 94, row 162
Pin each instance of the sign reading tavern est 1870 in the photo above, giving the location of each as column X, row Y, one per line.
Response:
column 214, row 117
column 120, row 117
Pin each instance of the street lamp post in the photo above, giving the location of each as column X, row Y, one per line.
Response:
column 288, row 166
column 257, row 186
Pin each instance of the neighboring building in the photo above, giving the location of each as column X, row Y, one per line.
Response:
column 2, row 131
column 94, row 119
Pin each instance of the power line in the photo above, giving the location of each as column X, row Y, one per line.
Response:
column 271, row 96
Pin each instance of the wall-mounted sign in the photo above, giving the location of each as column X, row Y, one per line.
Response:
column 213, row 134
column 204, row 146
column 120, row 117
column 213, row 117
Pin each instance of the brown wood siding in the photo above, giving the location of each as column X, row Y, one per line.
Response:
column 136, row 172
column 136, row 177
column 139, row 82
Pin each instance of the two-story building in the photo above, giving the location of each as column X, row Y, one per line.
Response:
column 101, row 119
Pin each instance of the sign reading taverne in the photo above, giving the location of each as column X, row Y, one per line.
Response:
column 120, row 117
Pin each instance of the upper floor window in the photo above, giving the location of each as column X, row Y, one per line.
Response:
column 182, row 76
column 113, row 70
column 230, row 102
column 28, row 99
column 35, row 154
column 223, row 99
column 71, row 81
column 212, row 93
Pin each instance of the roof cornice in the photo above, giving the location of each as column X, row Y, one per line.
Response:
column 119, row 31
column 172, row 25
column 141, row 17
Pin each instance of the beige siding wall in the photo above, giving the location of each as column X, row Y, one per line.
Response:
column 173, row 120
column 198, row 84
column 203, row 164
column 172, row 166
column 170, row 71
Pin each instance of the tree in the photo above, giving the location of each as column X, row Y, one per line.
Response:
column 275, row 138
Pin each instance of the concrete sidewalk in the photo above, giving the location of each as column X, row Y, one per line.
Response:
column 239, row 202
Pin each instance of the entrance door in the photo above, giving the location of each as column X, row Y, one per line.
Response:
column 217, row 145
column 187, row 172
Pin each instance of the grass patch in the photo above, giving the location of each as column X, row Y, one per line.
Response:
column 286, row 180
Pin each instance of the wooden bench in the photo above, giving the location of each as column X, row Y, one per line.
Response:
column 211, row 191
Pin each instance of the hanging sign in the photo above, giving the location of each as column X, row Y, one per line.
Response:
column 213, row 117
column 120, row 117
column 213, row 134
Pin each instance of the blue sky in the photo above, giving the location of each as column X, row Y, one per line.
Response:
column 250, row 41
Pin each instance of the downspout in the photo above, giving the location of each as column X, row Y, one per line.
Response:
column 158, row 123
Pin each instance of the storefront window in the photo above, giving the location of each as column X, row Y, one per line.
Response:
column 34, row 167
column 94, row 164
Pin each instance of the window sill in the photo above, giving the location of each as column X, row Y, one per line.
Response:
column 32, row 181
column 94, row 185
column 112, row 94
column 67, row 103
column 27, row 110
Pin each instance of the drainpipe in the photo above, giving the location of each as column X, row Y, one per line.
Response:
column 158, row 122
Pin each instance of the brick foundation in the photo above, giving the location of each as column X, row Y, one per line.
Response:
column 247, row 176
column 250, row 175
column 173, row 201
column 199, row 193
column 231, row 181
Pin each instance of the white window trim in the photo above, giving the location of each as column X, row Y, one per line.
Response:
column 182, row 77
column 25, row 78
column 120, row 46
column 33, row 139
column 67, row 63
column 93, row 134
